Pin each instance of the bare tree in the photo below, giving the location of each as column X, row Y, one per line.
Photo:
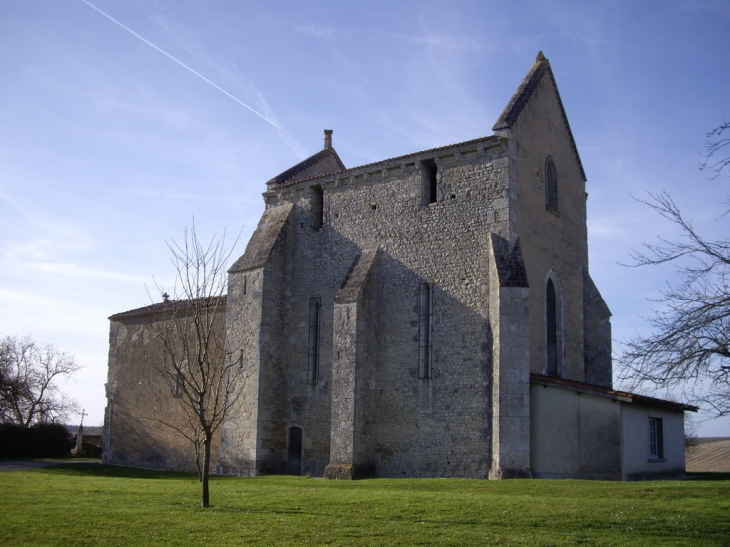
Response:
column 29, row 391
column 689, row 348
column 714, row 159
column 197, row 364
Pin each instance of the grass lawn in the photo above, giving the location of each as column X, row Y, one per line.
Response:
column 91, row 504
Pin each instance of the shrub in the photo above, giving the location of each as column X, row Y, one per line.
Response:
column 37, row 441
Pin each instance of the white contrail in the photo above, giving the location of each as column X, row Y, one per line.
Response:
column 179, row 62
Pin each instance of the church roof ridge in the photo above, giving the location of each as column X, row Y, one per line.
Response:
column 521, row 97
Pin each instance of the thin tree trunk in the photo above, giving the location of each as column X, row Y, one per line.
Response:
column 206, row 470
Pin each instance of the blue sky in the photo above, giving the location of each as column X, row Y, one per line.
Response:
column 108, row 147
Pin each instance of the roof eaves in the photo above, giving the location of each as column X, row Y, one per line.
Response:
column 165, row 307
column 593, row 389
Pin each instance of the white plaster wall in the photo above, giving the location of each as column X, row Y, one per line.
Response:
column 574, row 435
column 635, row 442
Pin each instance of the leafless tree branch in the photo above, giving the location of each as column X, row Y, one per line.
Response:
column 198, row 364
column 689, row 348
column 29, row 391
column 715, row 148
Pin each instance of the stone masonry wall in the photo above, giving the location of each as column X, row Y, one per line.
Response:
column 542, row 131
column 417, row 427
column 139, row 397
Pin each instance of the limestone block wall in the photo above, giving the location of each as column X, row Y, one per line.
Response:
column 542, row 131
column 596, row 336
column 139, row 399
column 510, row 321
column 239, row 433
column 355, row 351
column 254, row 437
column 417, row 427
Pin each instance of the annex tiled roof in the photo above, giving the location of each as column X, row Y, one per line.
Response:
column 521, row 97
column 169, row 306
column 607, row 392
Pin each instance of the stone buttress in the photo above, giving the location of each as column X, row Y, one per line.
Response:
column 510, row 318
column 355, row 349
column 251, row 439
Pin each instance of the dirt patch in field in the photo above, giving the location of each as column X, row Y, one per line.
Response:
column 709, row 455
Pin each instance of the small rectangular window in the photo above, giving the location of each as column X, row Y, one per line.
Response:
column 656, row 438
column 429, row 182
column 315, row 308
column 424, row 331
column 178, row 385
column 244, row 287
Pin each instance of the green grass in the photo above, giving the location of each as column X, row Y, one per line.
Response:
column 91, row 504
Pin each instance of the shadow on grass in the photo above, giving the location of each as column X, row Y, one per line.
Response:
column 114, row 471
column 709, row 476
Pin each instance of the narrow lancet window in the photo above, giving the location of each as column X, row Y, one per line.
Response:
column 551, row 322
column 424, row 328
column 315, row 308
column 551, row 186
column 317, row 207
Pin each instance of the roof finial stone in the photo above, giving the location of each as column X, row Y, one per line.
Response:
column 540, row 57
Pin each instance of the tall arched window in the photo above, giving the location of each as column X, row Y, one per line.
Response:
column 551, row 324
column 551, row 186
column 554, row 350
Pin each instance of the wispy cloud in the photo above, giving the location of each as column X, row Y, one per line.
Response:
column 231, row 74
column 168, row 195
column 328, row 33
column 444, row 41
column 180, row 63
column 429, row 39
column 70, row 269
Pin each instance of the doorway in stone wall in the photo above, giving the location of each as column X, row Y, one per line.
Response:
column 294, row 461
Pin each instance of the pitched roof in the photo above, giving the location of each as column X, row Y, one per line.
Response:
column 607, row 392
column 522, row 96
column 170, row 306
column 324, row 162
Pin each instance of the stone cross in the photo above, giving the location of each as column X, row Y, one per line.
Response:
column 80, row 434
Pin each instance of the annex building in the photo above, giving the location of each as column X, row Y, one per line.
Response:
column 429, row 315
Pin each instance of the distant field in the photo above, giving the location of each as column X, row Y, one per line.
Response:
column 709, row 455
column 87, row 504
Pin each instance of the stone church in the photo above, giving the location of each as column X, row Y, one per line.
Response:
column 428, row 315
